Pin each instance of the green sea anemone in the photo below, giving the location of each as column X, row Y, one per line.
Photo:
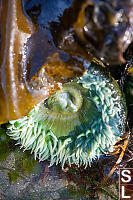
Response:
column 76, row 124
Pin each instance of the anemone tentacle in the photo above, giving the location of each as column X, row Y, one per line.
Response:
column 77, row 124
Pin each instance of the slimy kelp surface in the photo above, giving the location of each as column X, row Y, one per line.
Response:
column 25, row 80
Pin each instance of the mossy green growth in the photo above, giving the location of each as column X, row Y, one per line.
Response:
column 4, row 144
column 77, row 124
column 13, row 176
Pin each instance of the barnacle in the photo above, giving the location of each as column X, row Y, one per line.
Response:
column 76, row 124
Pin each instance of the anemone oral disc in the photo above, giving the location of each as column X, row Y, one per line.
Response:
column 66, row 110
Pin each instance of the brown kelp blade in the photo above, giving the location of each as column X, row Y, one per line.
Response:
column 15, row 29
column 18, row 92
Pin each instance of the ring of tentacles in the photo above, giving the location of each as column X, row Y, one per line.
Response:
column 76, row 124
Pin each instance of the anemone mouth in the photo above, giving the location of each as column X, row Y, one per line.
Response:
column 76, row 124
column 66, row 101
column 67, row 110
